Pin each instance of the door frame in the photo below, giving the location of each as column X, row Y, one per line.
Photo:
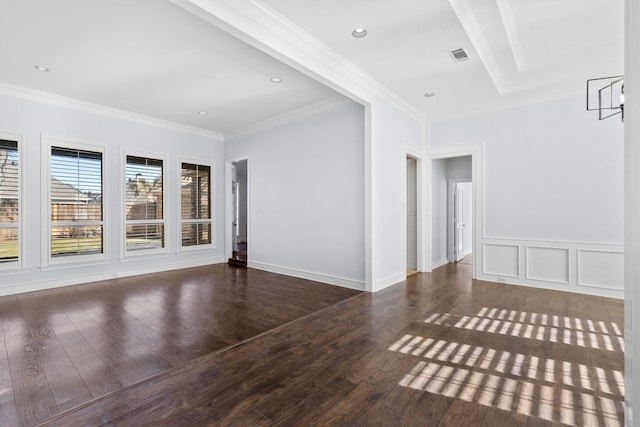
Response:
column 451, row 185
column 421, row 250
column 477, row 178
column 228, row 218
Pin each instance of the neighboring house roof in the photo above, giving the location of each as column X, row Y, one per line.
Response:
column 61, row 192
column 9, row 180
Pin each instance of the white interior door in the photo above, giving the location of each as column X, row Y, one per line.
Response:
column 462, row 220
column 412, row 214
column 234, row 208
column 459, row 224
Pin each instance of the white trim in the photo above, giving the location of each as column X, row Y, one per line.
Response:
column 106, row 275
column 528, row 275
column 48, row 142
column 573, row 249
column 290, row 116
column 554, row 241
column 421, row 238
column 391, row 280
column 260, row 26
column 229, row 206
column 632, row 212
column 369, row 214
column 166, row 195
column 439, row 263
column 308, row 275
column 477, row 153
column 467, row 17
column 450, row 216
column 212, row 206
column 88, row 107
column 22, row 173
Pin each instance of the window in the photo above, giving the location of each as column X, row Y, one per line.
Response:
column 144, row 204
column 76, row 202
column 195, row 204
column 9, row 201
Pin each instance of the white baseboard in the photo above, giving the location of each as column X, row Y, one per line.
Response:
column 302, row 274
column 385, row 283
column 439, row 263
column 106, row 275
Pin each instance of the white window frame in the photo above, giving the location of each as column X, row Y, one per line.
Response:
column 48, row 143
column 212, row 220
column 123, row 199
column 21, row 261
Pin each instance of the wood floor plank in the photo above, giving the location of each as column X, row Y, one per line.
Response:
column 438, row 349
column 67, row 346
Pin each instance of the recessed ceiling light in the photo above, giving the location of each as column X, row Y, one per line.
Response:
column 41, row 68
column 202, row 113
column 429, row 94
column 359, row 33
column 276, row 79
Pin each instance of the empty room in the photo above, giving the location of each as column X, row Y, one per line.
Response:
column 279, row 212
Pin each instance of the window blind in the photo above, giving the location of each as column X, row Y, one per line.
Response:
column 144, row 203
column 76, row 202
column 9, row 201
column 196, row 204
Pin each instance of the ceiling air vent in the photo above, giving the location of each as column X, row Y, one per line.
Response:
column 459, row 55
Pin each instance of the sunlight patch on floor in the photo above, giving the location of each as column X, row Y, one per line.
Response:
column 553, row 390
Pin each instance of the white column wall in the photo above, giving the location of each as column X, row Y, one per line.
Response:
column 306, row 195
column 632, row 213
column 393, row 134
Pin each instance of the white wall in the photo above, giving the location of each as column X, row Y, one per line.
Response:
column 632, row 214
column 306, row 195
column 553, row 194
column 37, row 120
column 393, row 135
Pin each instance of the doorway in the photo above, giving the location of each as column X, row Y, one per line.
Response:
column 452, row 210
column 412, row 216
column 239, row 203
column 460, row 221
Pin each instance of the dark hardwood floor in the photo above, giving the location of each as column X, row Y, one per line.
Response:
column 439, row 349
column 64, row 347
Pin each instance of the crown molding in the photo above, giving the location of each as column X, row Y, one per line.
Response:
column 288, row 117
column 88, row 107
column 262, row 27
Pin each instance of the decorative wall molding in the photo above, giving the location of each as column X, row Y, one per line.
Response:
column 600, row 269
column 282, row 119
column 501, row 260
column 88, row 107
column 580, row 267
column 547, row 264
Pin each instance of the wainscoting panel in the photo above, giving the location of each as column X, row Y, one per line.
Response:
column 581, row 267
column 547, row 264
column 501, row 260
column 601, row 269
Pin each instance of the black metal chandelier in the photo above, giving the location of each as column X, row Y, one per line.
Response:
column 606, row 95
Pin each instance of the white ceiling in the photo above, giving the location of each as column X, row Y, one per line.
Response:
column 154, row 58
